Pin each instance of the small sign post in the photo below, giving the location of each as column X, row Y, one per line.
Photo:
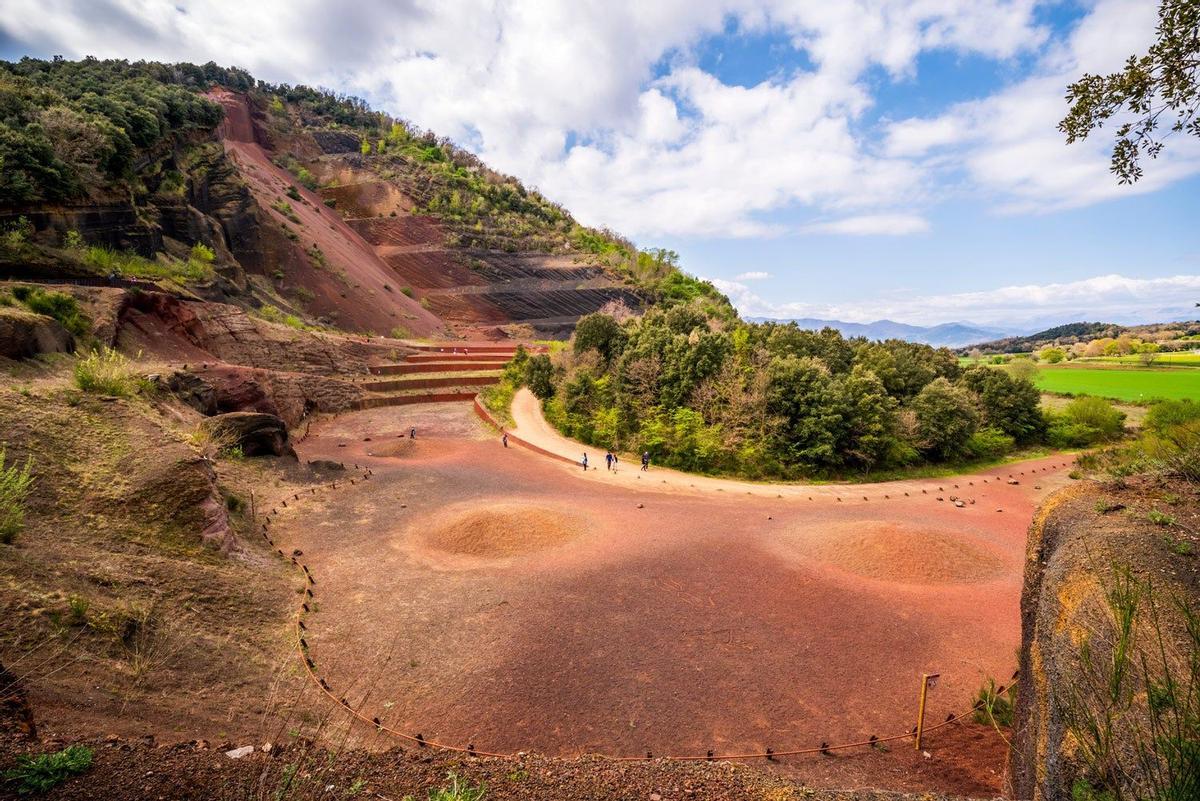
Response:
column 928, row 680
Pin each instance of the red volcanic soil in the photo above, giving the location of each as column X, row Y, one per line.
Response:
column 493, row 596
column 354, row 282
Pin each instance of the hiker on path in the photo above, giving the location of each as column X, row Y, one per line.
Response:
column 585, row 463
column 645, row 461
column 412, row 433
column 608, row 460
column 504, row 438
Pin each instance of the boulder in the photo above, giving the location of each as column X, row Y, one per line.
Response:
column 24, row 334
column 256, row 433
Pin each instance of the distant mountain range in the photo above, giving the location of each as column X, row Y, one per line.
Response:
column 950, row 335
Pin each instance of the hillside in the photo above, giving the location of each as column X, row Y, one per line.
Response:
column 295, row 202
column 949, row 335
column 1072, row 333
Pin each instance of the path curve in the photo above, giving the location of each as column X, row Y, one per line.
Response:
column 532, row 426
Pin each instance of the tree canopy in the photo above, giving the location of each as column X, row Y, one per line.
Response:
column 1157, row 90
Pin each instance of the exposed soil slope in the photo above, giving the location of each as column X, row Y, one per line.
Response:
column 474, row 290
column 349, row 282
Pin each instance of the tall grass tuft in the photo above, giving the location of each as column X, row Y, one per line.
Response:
column 15, row 481
column 106, row 372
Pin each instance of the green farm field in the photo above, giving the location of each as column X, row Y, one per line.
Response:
column 1121, row 383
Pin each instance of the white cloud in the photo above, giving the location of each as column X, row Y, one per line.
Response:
column 1008, row 145
column 681, row 154
column 753, row 275
column 870, row 224
column 1108, row 298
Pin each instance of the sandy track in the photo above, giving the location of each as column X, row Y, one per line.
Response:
column 669, row 618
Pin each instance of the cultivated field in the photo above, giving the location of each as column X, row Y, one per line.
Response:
column 1121, row 383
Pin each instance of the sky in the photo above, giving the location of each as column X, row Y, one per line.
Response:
column 850, row 160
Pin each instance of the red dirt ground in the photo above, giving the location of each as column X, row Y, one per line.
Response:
column 643, row 616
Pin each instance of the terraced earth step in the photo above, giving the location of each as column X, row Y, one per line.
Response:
column 414, row 398
column 432, row 383
column 464, row 348
column 438, row 367
column 413, row 358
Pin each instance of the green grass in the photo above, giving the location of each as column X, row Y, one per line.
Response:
column 106, row 372
column 1121, row 383
column 42, row 772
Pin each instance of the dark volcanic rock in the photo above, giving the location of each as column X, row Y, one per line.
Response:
column 337, row 141
column 25, row 334
column 256, row 433
column 194, row 391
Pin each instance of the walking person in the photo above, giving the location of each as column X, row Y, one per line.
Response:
column 504, row 438
column 608, row 460
column 412, row 433
column 585, row 463
column 645, row 461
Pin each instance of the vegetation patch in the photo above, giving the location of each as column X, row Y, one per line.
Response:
column 106, row 371
column 37, row 774
column 15, row 481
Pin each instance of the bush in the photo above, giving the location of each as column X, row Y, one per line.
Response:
column 994, row 705
column 1097, row 413
column 58, row 305
column 37, row 774
column 15, row 481
column 989, row 443
column 1166, row 414
column 106, row 372
column 1062, row 433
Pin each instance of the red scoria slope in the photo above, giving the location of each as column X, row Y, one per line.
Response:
column 349, row 281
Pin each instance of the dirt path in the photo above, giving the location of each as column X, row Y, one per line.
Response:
column 497, row 597
column 531, row 426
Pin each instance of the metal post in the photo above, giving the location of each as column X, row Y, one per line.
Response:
column 926, row 680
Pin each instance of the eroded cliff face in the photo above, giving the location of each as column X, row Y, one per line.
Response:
column 1095, row 550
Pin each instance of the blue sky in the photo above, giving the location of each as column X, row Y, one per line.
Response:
column 851, row 160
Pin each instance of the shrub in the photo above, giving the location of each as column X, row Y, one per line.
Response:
column 37, row 774
column 58, row 305
column 1165, row 414
column 407, row 291
column 293, row 193
column 15, row 237
column 1064, row 434
column 1097, row 413
column 74, row 240
column 994, row 705
column 15, row 481
column 989, row 443
column 106, row 372
column 330, row 202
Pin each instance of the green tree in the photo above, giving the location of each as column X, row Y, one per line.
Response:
column 800, row 394
column 539, row 376
column 1160, row 87
column 600, row 332
column 1010, row 404
column 946, row 418
column 868, row 423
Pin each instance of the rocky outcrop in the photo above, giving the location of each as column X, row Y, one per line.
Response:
column 337, row 141
column 24, row 335
column 256, row 433
column 1089, row 545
